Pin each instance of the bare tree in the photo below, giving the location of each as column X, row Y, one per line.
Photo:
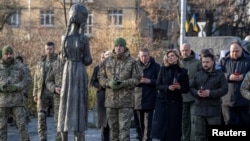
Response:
column 218, row 14
column 7, row 8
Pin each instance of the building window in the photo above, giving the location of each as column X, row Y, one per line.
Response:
column 47, row 18
column 89, row 25
column 160, row 30
column 15, row 19
column 115, row 17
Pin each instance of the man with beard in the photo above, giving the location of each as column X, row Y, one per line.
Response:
column 41, row 94
column 14, row 79
column 208, row 86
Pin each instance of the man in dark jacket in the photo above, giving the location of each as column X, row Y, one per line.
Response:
column 193, row 65
column 234, row 106
column 100, row 99
column 145, row 93
column 208, row 86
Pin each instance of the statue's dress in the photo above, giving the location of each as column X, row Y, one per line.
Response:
column 73, row 110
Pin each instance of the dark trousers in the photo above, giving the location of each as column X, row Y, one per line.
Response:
column 201, row 123
column 137, row 126
column 145, row 118
column 188, row 120
column 105, row 133
column 236, row 115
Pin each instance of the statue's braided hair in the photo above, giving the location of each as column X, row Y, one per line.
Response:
column 74, row 11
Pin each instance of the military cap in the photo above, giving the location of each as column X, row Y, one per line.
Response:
column 7, row 49
column 120, row 41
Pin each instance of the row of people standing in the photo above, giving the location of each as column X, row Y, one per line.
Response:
column 177, row 82
column 145, row 93
column 49, row 82
column 215, row 97
column 130, row 73
column 65, row 79
column 199, row 107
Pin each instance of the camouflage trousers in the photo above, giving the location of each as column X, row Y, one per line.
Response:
column 42, row 107
column 119, row 120
column 19, row 114
column 56, row 101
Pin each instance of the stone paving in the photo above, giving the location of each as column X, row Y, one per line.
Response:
column 92, row 134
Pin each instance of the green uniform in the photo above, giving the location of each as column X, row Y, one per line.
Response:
column 42, row 93
column 54, row 79
column 13, row 102
column 119, row 102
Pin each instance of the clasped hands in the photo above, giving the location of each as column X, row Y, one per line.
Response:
column 8, row 88
column 236, row 77
column 203, row 93
column 116, row 85
column 174, row 86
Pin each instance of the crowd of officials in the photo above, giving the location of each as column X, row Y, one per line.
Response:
column 174, row 100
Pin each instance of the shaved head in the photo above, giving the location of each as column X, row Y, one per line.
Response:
column 185, row 50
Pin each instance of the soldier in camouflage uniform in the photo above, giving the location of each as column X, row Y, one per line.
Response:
column 53, row 84
column 26, row 90
column 119, row 74
column 14, row 79
column 41, row 94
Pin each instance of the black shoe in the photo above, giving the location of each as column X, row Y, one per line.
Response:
column 139, row 138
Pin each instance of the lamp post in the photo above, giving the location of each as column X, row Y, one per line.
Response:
column 182, row 23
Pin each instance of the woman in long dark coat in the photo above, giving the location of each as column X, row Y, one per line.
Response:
column 172, row 81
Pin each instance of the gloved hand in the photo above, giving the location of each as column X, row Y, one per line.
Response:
column 112, row 84
column 11, row 88
column 122, row 85
column 3, row 88
column 119, row 85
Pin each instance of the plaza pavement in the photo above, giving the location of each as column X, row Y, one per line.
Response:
column 92, row 134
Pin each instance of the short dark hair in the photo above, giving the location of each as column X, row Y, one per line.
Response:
column 236, row 42
column 20, row 58
column 144, row 50
column 205, row 51
column 208, row 55
column 50, row 44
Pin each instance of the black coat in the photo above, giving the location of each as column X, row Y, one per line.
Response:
column 233, row 98
column 100, row 99
column 145, row 94
column 214, row 81
column 168, row 110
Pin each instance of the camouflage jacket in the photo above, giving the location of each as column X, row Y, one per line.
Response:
column 18, row 75
column 41, row 74
column 123, row 69
column 54, row 76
